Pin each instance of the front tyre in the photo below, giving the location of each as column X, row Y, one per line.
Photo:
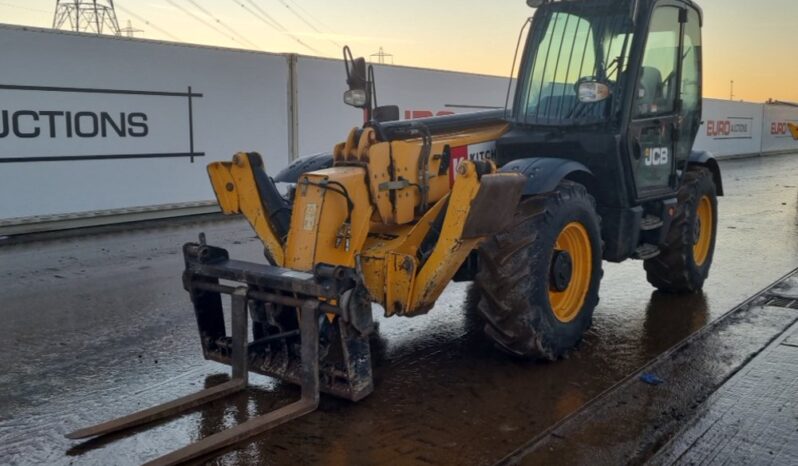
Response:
column 539, row 279
column 686, row 257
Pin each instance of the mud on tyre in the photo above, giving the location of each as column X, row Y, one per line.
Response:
column 686, row 257
column 539, row 279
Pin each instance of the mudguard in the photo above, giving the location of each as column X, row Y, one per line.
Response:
column 544, row 174
column 311, row 163
column 706, row 159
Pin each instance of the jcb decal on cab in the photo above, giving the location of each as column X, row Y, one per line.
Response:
column 654, row 157
column 480, row 152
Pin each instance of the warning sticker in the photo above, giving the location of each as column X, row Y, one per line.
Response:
column 479, row 152
column 310, row 217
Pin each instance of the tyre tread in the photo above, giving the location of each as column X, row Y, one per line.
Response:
column 673, row 270
column 513, row 320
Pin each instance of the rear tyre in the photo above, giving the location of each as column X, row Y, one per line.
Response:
column 539, row 279
column 686, row 257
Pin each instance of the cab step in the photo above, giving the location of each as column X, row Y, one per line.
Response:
column 646, row 251
column 651, row 222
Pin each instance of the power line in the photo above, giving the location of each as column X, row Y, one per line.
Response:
column 224, row 25
column 188, row 12
column 310, row 15
column 302, row 18
column 148, row 23
column 270, row 21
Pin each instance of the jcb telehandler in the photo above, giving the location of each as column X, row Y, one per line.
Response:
column 592, row 161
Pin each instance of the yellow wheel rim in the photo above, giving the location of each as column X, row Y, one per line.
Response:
column 575, row 240
column 703, row 236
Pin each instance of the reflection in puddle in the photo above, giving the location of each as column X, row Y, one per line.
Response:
column 671, row 318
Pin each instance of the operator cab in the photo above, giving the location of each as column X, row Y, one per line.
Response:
column 614, row 85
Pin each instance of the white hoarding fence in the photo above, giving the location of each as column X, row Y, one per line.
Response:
column 777, row 137
column 730, row 128
column 41, row 124
column 324, row 120
column 91, row 123
column 744, row 129
column 98, row 124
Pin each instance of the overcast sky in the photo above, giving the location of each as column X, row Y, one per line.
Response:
column 745, row 40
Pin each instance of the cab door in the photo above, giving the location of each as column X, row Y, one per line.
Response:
column 654, row 127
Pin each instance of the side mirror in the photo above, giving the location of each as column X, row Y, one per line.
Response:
column 386, row 113
column 592, row 92
column 357, row 80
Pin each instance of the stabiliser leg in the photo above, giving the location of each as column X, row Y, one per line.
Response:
column 309, row 334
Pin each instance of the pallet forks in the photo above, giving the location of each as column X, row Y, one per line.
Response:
column 266, row 290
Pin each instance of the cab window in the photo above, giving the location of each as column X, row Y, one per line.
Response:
column 656, row 92
column 691, row 83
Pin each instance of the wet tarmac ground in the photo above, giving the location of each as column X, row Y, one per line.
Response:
column 647, row 414
column 98, row 326
column 751, row 419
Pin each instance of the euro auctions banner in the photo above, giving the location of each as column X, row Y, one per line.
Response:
column 777, row 135
column 730, row 128
column 39, row 124
column 95, row 123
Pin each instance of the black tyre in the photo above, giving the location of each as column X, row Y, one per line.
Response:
column 686, row 257
column 539, row 279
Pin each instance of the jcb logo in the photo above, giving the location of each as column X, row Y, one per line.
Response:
column 657, row 156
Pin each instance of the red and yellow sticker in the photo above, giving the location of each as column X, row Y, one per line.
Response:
column 479, row 152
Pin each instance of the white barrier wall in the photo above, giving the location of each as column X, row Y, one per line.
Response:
column 90, row 123
column 730, row 128
column 93, row 123
column 740, row 128
column 776, row 137
column 325, row 121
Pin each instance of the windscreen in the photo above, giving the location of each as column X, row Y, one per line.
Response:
column 572, row 43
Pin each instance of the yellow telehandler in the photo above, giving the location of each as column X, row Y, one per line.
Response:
column 591, row 161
